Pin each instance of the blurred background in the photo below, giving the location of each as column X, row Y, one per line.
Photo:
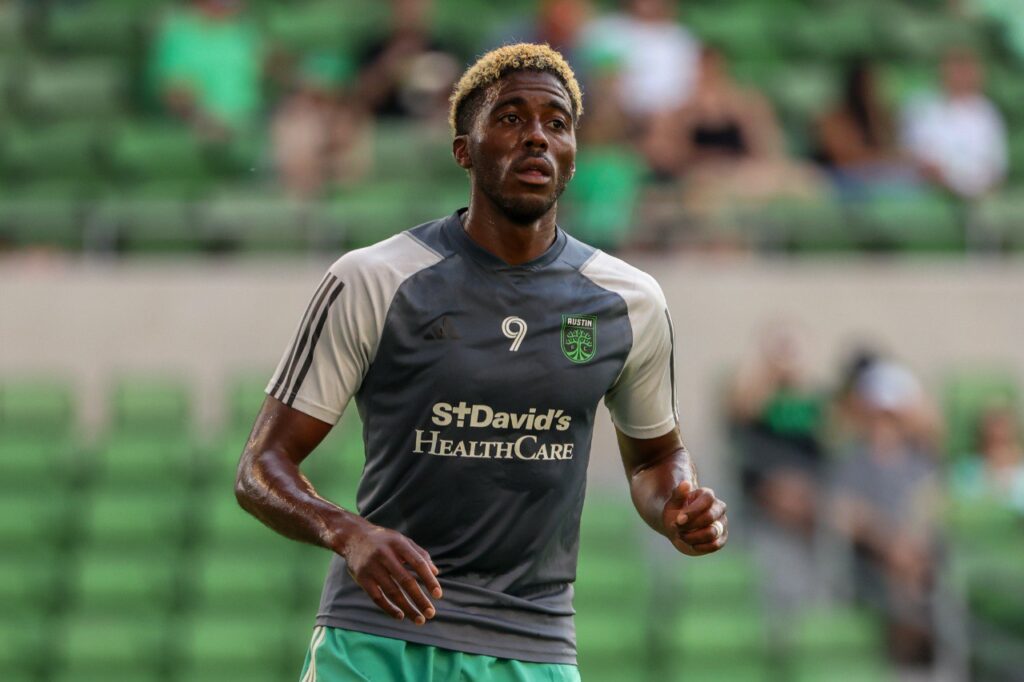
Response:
column 830, row 193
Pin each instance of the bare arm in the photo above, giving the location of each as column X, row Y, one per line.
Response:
column 270, row 486
column 663, row 485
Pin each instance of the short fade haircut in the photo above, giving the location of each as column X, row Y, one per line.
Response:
column 469, row 93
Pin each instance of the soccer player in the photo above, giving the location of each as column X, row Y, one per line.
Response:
column 477, row 348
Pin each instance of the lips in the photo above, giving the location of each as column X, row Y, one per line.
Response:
column 534, row 171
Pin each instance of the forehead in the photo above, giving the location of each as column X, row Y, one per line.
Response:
column 531, row 83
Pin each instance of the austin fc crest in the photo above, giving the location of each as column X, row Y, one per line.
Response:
column 579, row 337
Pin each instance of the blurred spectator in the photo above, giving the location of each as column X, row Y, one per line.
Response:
column 778, row 417
column 958, row 138
column 726, row 144
column 857, row 139
column 995, row 470
column 320, row 135
column 207, row 63
column 887, row 503
column 558, row 23
column 408, row 72
column 658, row 56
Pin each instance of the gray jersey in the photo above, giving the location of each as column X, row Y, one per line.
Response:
column 477, row 383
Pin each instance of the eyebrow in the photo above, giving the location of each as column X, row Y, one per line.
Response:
column 517, row 101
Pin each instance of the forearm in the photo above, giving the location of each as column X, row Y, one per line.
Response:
column 271, row 487
column 651, row 485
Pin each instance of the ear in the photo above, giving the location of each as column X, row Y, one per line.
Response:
column 572, row 170
column 460, row 150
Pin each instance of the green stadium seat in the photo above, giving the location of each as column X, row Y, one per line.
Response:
column 368, row 213
column 802, row 91
column 149, row 225
column 603, row 194
column 707, row 637
column 748, row 669
column 140, row 461
column 129, row 582
column 132, row 518
column 218, row 645
column 744, row 30
column 24, row 643
column 151, row 405
column 725, row 578
column 27, row 518
column 841, row 31
column 33, row 462
column 32, row 219
column 917, row 35
column 91, row 28
column 260, row 579
column 965, row 394
column 36, row 407
column 73, row 89
column 52, row 152
column 254, row 221
column 320, row 26
column 837, row 632
column 157, row 151
column 92, row 646
column 917, row 224
column 609, row 635
column 29, row 579
column 806, row 226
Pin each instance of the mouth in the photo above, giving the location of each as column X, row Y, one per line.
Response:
column 535, row 171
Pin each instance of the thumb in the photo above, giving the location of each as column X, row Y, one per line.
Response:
column 679, row 494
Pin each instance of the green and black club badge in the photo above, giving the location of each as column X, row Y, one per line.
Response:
column 579, row 337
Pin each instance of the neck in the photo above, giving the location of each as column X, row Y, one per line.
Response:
column 513, row 242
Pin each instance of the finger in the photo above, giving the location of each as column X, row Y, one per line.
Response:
column 699, row 521
column 373, row 588
column 410, row 586
column 703, row 501
column 680, row 492
column 390, row 585
column 700, row 537
column 713, row 546
column 420, row 561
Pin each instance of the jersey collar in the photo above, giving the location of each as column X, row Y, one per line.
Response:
column 465, row 245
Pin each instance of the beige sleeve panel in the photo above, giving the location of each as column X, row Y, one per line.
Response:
column 337, row 338
column 642, row 400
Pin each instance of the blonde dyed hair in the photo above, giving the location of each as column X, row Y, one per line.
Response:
column 490, row 68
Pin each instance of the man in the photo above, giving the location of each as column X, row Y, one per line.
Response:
column 958, row 138
column 477, row 348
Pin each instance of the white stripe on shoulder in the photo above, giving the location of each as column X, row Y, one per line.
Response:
column 633, row 284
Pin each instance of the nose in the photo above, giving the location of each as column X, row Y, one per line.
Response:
column 535, row 137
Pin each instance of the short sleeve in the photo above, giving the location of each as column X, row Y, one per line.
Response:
column 323, row 366
column 642, row 400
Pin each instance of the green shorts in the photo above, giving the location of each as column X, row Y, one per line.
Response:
column 337, row 655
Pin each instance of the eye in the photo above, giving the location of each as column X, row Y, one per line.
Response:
column 510, row 118
column 558, row 124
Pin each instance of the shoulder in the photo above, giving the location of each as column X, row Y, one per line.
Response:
column 638, row 288
column 392, row 260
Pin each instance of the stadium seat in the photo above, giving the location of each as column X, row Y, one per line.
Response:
column 965, row 394
column 602, row 196
column 219, row 645
column 30, row 218
column 36, row 407
column 319, row 26
column 51, row 152
column 156, row 151
column 29, row 579
column 157, row 406
column 255, row 222
column 257, row 579
column 26, row 517
column 72, row 89
column 98, row 647
column 135, row 519
column 34, row 462
column 225, row 525
column 24, row 643
column 90, row 28
column 917, row 224
column 136, row 223
column 110, row 582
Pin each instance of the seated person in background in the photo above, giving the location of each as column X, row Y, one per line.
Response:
column 995, row 470
column 408, row 72
column 207, row 65
column 320, row 134
column 775, row 417
column 727, row 146
column 658, row 56
column 857, row 140
column 886, row 505
column 958, row 138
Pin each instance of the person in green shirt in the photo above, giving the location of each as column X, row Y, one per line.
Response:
column 206, row 66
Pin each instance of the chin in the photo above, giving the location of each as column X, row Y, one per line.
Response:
column 527, row 209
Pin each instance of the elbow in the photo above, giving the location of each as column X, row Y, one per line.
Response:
column 243, row 478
